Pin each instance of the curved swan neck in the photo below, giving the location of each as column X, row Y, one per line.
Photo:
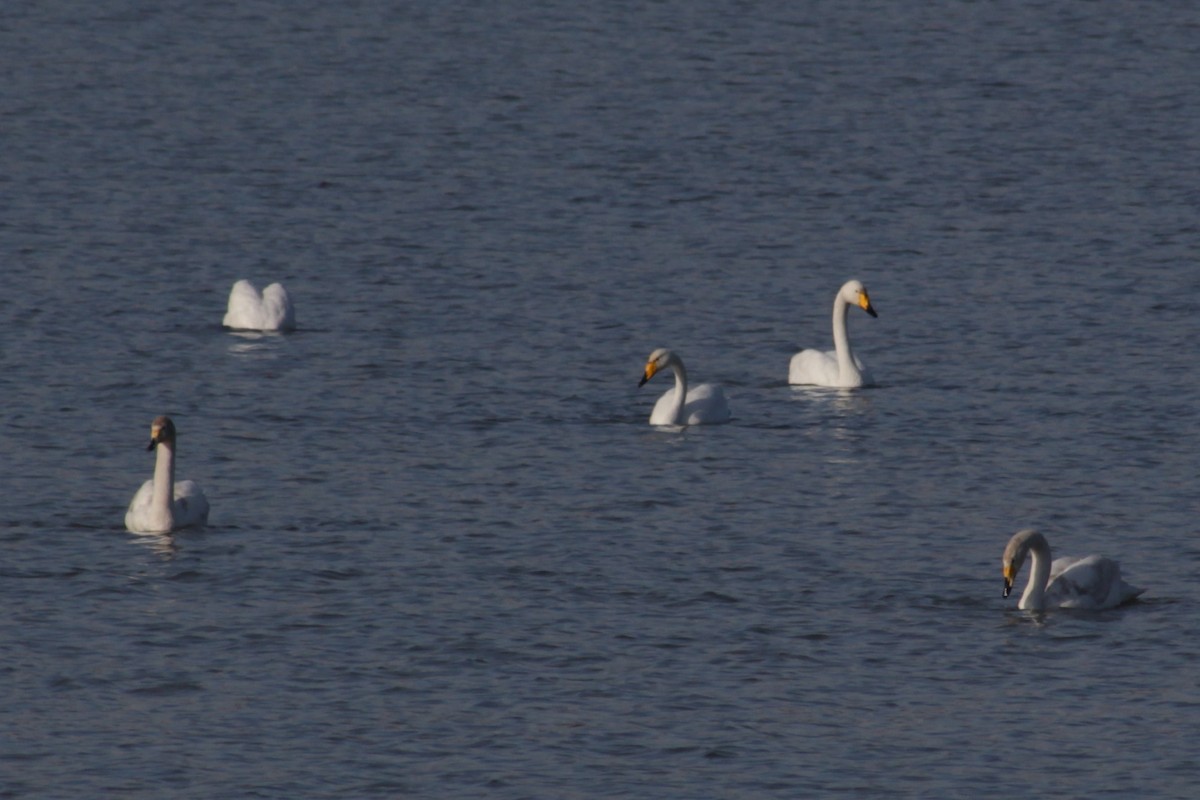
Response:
column 164, row 477
column 1034, row 598
column 680, row 390
column 841, row 341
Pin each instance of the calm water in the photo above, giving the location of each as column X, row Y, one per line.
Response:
column 447, row 556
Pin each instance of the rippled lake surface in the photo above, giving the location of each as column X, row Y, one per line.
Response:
column 447, row 556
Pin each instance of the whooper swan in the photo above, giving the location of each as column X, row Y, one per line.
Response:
column 699, row 405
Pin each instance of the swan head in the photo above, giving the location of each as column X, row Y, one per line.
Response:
column 1017, row 550
column 162, row 431
column 659, row 360
column 854, row 293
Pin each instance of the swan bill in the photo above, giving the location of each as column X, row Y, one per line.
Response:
column 864, row 302
column 651, row 368
column 1009, row 575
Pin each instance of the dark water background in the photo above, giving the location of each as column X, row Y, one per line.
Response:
column 447, row 555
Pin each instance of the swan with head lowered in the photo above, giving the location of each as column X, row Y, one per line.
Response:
column 250, row 311
column 1090, row 583
column 838, row 367
column 162, row 505
column 699, row 405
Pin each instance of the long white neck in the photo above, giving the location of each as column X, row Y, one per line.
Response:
column 841, row 342
column 164, row 481
column 1034, row 598
column 680, row 392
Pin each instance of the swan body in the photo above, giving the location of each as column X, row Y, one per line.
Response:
column 250, row 311
column 698, row 405
column 1092, row 582
column 838, row 367
column 161, row 505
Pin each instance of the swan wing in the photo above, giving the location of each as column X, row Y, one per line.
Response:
column 142, row 516
column 190, row 506
column 1093, row 582
column 705, row 404
column 245, row 306
column 277, row 310
column 662, row 413
column 863, row 372
column 139, row 505
column 814, row 368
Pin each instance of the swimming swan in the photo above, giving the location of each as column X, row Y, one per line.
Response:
column 156, row 508
column 250, row 311
column 838, row 367
column 704, row 403
column 1092, row 582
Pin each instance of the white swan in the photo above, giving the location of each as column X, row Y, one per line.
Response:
column 250, row 311
column 162, row 505
column 1092, row 582
column 699, row 405
column 838, row 367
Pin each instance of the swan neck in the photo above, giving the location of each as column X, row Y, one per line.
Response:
column 841, row 341
column 680, row 392
column 1034, row 598
column 164, row 477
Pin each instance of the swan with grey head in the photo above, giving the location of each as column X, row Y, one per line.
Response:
column 1092, row 582
column 161, row 505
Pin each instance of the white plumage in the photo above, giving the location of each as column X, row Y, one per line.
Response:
column 161, row 505
column 838, row 367
column 699, row 405
column 250, row 311
column 1092, row 582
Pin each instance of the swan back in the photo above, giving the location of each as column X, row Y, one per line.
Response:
column 271, row 310
column 1093, row 582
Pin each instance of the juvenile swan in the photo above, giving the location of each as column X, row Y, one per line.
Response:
column 1092, row 582
column 838, row 367
column 250, row 311
column 162, row 505
column 703, row 404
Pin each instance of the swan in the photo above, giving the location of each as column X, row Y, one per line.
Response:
column 250, row 311
column 156, row 508
column 838, row 367
column 699, row 405
column 1092, row 582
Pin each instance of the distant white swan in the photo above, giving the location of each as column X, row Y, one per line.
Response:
column 838, row 367
column 1092, row 582
column 162, row 505
column 703, row 404
column 250, row 311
